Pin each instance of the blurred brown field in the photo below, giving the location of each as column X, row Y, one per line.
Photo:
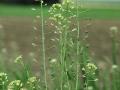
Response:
column 18, row 33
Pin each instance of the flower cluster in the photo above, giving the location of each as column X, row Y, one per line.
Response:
column 62, row 13
column 3, row 79
column 32, row 82
column 18, row 59
column 90, row 70
column 15, row 85
column 113, row 31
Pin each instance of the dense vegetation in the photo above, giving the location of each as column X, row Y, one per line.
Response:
column 73, row 68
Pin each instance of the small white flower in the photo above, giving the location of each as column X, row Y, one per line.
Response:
column 42, row 2
column 18, row 59
column 38, row 16
column 33, row 44
column 53, row 61
column 90, row 88
column 114, row 66
column 46, row 4
column 55, row 32
column 35, row 28
column 74, row 29
column 52, row 39
column 33, row 9
column 114, row 29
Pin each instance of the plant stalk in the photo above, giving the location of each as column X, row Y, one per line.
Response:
column 43, row 45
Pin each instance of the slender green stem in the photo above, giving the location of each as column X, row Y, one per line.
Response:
column 78, row 45
column 114, row 50
column 65, row 52
column 65, row 37
column 114, row 61
column 43, row 45
column 114, row 81
column 3, row 87
column 61, row 60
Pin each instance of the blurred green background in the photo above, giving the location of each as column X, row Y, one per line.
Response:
column 20, row 28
